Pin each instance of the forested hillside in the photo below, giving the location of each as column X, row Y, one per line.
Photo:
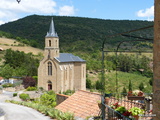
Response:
column 75, row 33
column 83, row 37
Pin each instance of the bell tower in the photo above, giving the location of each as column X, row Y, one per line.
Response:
column 51, row 42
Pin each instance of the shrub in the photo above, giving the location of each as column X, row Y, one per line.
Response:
column 141, row 86
column 69, row 92
column 151, row 81
column 29, row 81
column 7, row 85
column 41, row 88
column 88, row 83
column 48, row 99
column 98, row 85
column 24, row 96
column 14, row 94
column 31, row 88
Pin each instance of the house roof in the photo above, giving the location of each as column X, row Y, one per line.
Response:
column 82, row 103
column 68, row 57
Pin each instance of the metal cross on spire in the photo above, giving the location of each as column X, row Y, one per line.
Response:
column 18, row 1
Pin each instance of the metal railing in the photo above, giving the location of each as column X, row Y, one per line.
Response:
column 111, row 114
column 144, row 103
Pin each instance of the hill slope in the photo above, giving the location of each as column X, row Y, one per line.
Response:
column 6, row 43
column 75, row 33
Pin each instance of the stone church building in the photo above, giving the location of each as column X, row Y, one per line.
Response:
column 60, row 71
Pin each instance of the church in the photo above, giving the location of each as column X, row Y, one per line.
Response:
column 60, row 71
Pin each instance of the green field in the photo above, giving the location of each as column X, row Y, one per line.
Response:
column 123, row 81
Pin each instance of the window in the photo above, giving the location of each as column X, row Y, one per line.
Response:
column 49, row 43
column 49, row 68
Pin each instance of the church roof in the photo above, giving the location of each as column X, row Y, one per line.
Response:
column 51, row 32
column 68, row 57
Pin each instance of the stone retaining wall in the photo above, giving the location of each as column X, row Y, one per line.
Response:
column 14, row 89
column 61, row 98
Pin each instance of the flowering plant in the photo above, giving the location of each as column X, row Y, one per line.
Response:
column 130, row 93
column 127, row 113
column 115, row 105
column 140, row 93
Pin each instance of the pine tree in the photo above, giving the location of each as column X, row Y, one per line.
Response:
column 124, row 91
column 130, row 86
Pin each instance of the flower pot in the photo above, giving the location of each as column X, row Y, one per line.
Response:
column 107, row 100
column 99, row 105
column 135, row 98
column 136, row 117
column 130, row 93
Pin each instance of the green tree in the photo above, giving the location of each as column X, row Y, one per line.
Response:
column 151, row 81
column 6, row 71
column 24, row 64
column 124, row 91
column 141, row 86
column 130, row 85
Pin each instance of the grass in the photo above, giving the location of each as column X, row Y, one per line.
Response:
column 7, row 43
column 123, row 81
column 150, row 55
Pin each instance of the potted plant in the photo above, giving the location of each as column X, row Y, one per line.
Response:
column 140, row 93
column 135, row 112
column 99, row 104
column 107, row 100
column 127, row 113
column 130, row 93
column 136, row 96
column 120, row 110
column 115, row 105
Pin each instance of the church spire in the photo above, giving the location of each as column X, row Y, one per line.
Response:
column 51, row 32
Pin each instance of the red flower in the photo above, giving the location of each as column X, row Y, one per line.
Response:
column 127, row 113
column 115, row 105
column 140, row 93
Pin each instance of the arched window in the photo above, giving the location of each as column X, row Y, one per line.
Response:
column 56, row 43
column 49, row 68
column 49, row 43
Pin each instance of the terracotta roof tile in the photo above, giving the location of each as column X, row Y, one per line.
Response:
column 82, row 104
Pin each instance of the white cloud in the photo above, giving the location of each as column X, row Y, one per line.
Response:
column 29, row 6
column 148, row 12
column 10, row 9
column 1, row 22
column 66, row 10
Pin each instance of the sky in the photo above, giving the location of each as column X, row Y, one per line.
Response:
column 10, row 10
